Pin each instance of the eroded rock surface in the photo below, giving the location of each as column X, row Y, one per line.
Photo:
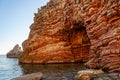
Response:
column 102, row 23
column 58, row 34
column 53, row 38
column 15, row 52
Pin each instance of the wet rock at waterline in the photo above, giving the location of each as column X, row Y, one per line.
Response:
column 96, row 75
column 33, row 76
column 87, row 74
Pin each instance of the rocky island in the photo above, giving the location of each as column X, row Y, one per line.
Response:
column 67, row 31
column 15, row 52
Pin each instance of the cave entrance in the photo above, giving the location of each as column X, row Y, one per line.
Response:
column 80, row 43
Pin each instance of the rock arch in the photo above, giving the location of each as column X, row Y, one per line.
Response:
column 53, row 22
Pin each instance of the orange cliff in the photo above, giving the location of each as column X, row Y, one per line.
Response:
column 68, row 30
column 53, row 38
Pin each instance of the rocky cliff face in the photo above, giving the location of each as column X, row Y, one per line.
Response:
column 64, row 29
column 53, row 38
column 15, row 52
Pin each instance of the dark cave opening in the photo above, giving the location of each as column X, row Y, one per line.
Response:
column 80, row 43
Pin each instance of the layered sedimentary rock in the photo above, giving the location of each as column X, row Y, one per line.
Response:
column 15, row 52
column 53, row 38
column 58, row 34
column 102, row 23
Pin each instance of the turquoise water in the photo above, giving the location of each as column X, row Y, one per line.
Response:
column 9, row 68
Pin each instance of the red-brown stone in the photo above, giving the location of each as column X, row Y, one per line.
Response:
column 53, row 38
column 57, row 34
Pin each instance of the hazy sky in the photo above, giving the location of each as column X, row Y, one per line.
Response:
column 15, row 18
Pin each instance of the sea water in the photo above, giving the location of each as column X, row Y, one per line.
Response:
column 9, row 68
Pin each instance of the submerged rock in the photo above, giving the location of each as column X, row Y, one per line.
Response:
column 15, row 52
column 33, row 76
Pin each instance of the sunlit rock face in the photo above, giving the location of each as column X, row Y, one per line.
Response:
column 63, row 31
column 54, row 38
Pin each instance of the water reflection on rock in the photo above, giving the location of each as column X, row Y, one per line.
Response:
column 54, row 71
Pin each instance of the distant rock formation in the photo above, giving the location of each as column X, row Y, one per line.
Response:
column 15, row 52
column 60, row 29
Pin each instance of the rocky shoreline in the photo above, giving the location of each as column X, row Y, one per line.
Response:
column 67, row 31
column 33, row 76
column 88, row 74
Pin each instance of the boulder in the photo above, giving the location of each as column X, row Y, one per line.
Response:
column 91, row 74
column 15, row 52
column 87, row 74
column 33, row 76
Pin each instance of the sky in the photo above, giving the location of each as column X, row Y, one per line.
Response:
column 16, row 16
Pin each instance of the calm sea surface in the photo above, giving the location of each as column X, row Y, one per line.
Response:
column 9, row 68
